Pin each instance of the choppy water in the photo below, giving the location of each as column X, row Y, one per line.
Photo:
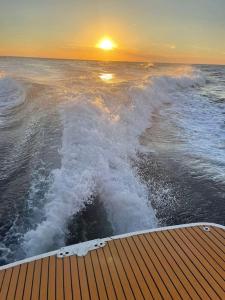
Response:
column 91, row 149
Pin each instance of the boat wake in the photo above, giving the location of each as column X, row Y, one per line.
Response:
column 100, row 140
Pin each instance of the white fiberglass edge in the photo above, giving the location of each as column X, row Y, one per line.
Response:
column 85, row 245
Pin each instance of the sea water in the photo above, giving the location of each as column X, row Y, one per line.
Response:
column 90, row 149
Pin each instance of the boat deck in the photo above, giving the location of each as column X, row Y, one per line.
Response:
column 180, row 262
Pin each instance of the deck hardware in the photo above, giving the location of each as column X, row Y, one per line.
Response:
column 206, row 228
column 81, row 249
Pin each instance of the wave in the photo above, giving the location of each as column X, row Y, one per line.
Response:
column 12, row 97
column 100, row 140
column 12, row 94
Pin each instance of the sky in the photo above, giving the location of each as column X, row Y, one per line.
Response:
column 184, row 31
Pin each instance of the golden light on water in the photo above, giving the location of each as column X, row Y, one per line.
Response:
column 106, row 76
column 106, row 44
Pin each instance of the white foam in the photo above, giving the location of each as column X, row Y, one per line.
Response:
column 100, row 137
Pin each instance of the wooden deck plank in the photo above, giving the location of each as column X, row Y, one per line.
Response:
column 217, row 242
column 207, row 249
column 68, row 292
column 175, row 263
column 115, row 278
column 106, row 274
column 98, row 275
column 85, row 293
column 44, row 279
column 220, row 239
column 195, row 266
column 121, row 273
column 152, row 268
column 202, row 252
column 91, row 277
column 176, row 266
column 75, row 278
column 220, row 231
column 147, row 273
column 128, row 270
column 185, row 268
column 165, row 265
column 137, row 272
column 13, row 283
column 59, row 279
column 28, row 281
column 51, row 279
column 6, row 283
column 211, row 243
column 36, row 280
column 161, row 270
column 21, row 282
column 2, row 274
column 206, row 269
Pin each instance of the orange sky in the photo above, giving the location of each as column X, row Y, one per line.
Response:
column 145, row 30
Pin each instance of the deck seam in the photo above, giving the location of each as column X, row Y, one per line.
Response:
column 202, row 254
column 78, row 272
column 162, row 265
column 13, row 282
column 141, row 270
column 102, row 276
column 198, row 271
column 219, row 232
column 86, row 275
column 2, row 280
column 124, row 269
column 132, row 269
column 25, row 278
column 95, row 275
column 220, row 243
column 175, row 264
column 110, row 275
column 209, row 244
column 148, row 268
column 211, row 248
column 55, row 277
column 40, row 279
column 13, row 269
column 48, row 275
column 63, row 277
column 71, row 277
column 202, row 245
column 117, row 273
column 146, row 250
column 200, row 262
column 187, row 268
column 17, row 281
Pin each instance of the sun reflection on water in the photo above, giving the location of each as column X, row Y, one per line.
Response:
column 107, row 77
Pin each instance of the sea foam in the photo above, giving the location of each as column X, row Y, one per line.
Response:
column 100, row 138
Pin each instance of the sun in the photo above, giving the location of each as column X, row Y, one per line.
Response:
column 106, row 44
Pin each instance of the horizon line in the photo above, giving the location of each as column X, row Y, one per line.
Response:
column 120, row 61
column 96, row 60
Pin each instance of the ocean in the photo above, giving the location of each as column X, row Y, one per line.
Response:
column 91, row 149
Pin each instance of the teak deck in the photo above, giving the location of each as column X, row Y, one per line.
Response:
column 180, row 262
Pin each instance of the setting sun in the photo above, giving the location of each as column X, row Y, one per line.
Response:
column 106, row 44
